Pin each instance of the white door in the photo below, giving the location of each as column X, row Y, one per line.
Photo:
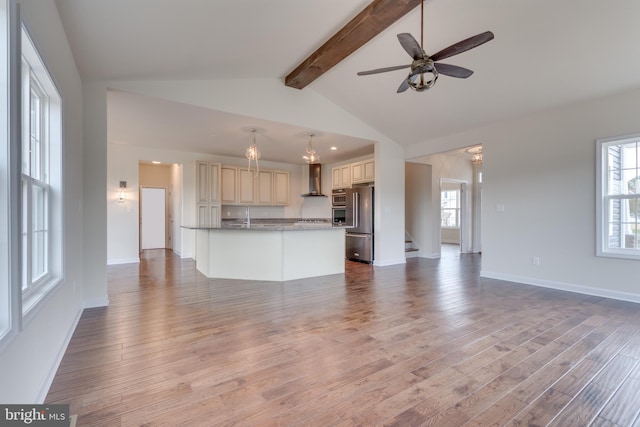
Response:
column 152, row 218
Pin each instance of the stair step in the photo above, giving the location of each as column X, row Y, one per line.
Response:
column 411, row 250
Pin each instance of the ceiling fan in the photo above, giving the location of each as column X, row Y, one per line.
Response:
column 424, row 64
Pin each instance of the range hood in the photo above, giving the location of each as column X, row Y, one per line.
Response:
column 315, row 179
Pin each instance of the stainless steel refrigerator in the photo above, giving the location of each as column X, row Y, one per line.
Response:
column 359, row 213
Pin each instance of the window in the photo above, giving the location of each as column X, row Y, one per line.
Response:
column 41, row 178
column 618, row 197
column 450, row 208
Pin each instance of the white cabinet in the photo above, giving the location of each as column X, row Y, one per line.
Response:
column 280, row 187
column 202, row 181
column 246, row 186
column 357, row 172
column 208, row 214
column 363, row 171
column 341, row 177
column 228, row 178
column 353, row 173
column 207, row 194
column 264, row 188
column 207, row 182
column 369, row 170
column 214, row 182
column 239, row 186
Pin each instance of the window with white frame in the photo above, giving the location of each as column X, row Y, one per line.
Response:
column 450, row 208
column 618, row 197
column 41, row 178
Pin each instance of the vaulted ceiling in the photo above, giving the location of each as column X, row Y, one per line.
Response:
column 545, row 54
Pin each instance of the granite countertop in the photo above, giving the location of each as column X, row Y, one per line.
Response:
column 266, row 224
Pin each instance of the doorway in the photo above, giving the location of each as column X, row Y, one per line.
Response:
column 152, row 218
column 454, row 217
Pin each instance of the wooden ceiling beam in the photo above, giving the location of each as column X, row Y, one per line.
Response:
column 373, row 19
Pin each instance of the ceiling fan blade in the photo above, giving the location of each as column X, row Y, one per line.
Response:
column 383, row 70
column 403, row 86
column 453, row 70
column 463, row 46
column 410, row 45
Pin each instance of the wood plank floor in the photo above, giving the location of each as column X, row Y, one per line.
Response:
column 427, row 343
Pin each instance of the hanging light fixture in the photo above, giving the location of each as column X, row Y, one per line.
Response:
column 252, row 152
column 311, row 156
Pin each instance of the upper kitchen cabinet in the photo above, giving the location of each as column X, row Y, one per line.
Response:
column 272, row 188
column 264, row 193
column 246, row 187
column 280, row 187
column 240, row 186
column 228, row 179
column 341, row 177
column 353, row 173
column 363, row 171
column 207, row 182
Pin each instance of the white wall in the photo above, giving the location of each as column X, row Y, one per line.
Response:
column 389, row 205
column 419, row 210
column 542, row 169
column 29, row 362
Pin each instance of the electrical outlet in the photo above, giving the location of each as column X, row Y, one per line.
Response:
column 535, row 260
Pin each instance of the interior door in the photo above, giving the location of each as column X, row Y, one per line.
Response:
column 152, row 218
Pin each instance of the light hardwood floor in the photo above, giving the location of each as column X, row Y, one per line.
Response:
column 426, row 343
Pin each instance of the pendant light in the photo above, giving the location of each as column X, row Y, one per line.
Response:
column 311, row 156
column 253, row 153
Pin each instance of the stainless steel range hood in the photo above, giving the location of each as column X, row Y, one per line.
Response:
column 315, row 180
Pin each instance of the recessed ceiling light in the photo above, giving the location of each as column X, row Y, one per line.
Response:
column 334, row 148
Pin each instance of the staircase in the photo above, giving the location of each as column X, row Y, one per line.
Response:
column 410, row 249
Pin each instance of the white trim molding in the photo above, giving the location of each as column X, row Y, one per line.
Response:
column 43, row 390
column 96, row 302
column 568, row 287
column 389, row 262
column 123, row 261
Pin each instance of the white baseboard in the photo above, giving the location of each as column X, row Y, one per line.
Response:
column 187, row 255
column 389, row 262
column 123, row 261
column 48, row 380
column 569, row 287
column 97, row 302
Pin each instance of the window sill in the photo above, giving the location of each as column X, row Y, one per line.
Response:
column 32, row 303
column 635, row 255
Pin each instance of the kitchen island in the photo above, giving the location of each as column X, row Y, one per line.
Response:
column 271, row 252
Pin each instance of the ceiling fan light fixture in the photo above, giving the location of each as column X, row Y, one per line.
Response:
column 419, row 83
column 424, row 64
column 476, row 154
